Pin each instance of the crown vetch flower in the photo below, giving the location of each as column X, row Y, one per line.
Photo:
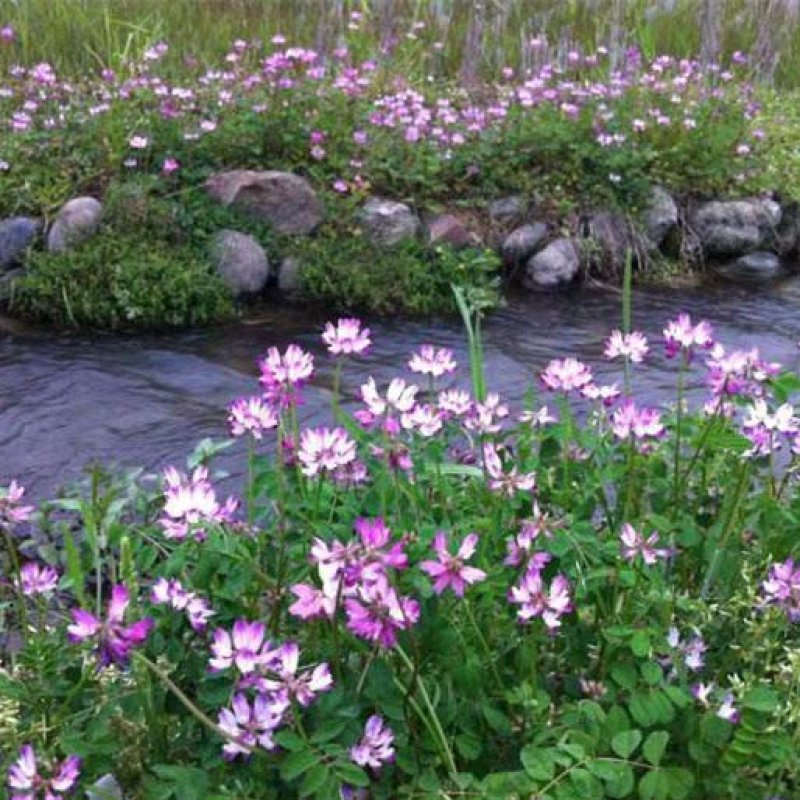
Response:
column 630, row 346
column 400, row 399
column 566, row 375
column 190, row 502
column 302, row 687
column 680, row 335
column 251, row 726
column 313, row 603
column 27, row 783
column 536, row 600
column 245, row 647
column 782, row 588
column 325, row 450
column 488, row 416
column 640, row 423
column 11, row 509
column 346, row 338
column 506, row 482
column 635, row 544
column 171, row 592
column 376, row 746
column 115, row 641
column 37, row 579
column 433, row 361
column 450, row 570
column 251, row 415
column 377, row 613
column 283, row 376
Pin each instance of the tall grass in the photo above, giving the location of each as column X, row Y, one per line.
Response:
column 478, row 37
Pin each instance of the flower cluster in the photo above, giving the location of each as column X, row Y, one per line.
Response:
column 536, row 599
column 782, row 588
column 26, row 781
column 170, row 592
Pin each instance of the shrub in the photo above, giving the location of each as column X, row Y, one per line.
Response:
column 121, row 282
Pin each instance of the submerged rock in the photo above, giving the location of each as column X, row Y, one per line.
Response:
column 757, row 267
column 660, row 217
column 78, row 220
column 736, row 227
column 289, row 276
column 241, row 262
column 388, row 222
column 283, row 200
column 523, row 242
column 555, row 267
column 17, row 234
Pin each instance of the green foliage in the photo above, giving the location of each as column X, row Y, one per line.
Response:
column 347, row 271
column 121, row 282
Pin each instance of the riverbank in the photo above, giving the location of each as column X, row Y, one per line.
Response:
column 152, row 196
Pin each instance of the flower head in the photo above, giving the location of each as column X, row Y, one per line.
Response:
column 115, row 641
column 782, row 588
column 450, row 571
column 27, row 783
column 301, row 686
column 284, row 375
column 630, row 346
column 639, row 423
column 376, row 746
column 429, row 360
column 535, row 599
column 377, row 613
column 37, row 579
column 11, row 509
column 325, row 450
column 251, row 415
column 346, row 338
column 251, row 726
column 680, row 335
column 245, row 647
column 566, row 375
column 635, row 544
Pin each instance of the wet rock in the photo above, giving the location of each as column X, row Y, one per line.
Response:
column 7, row 280
column 241, row 261
column 660, row 217
column 758, row 267
column 388, row 222
column 17, row 234
column 736, row 227
column 555, row 267
column 450, row 229
column 507, row 210
column 612, row 238
column 523, row 242
column 78, row 220
column 786, row 240
column 289, row 276
column 283, row 200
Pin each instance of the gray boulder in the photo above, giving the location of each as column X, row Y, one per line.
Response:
column 757, row 267
column 78, row 220
column 241, row 262
column 284, row 200
column 787, row 235
column 289, row 276
column 523, row 242
column 736, row 227
column 507, row 210
column 450, row 229
column 555, row 267
column 17, row 234
column 611, row 238
column 660, row 216
column 387, row 222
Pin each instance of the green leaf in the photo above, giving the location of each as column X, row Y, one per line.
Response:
column 761, row 698
column 295, row 764
column 681, row 782
column 624, row 675
column 537, row 763
column 468, row 745
column 652, row 673
column 329, row 729
column 289, row 740
column 654, row 786
column 624, row 744
column 640, row 643
column 641, row 709
column 497, row 720
column 587, row 784
column 314, row 780
column 352, row 774
column 654, row 747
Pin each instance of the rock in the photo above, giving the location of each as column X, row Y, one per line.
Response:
column 555, row 267
column 613, row 238
column 106, row 788
column 507, row 210
column 17, row 234
column 7, row 280
column 660, row 217
column 284, row 200
column 289, row 276
column 786, row 239
column 449, row 229
column 736, row 227
column 758, row 267
column 523, row 242
column 241, row 261
column 387, row 222
column 77, row 221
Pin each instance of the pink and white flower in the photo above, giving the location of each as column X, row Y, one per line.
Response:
column 346, row 338
column 451, row 571
column 376, row 746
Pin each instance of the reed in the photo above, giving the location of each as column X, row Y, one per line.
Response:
column 478, row 38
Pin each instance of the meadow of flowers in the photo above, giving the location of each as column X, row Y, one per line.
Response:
column 437, row 593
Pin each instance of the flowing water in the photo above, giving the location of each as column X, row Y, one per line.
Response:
column 68, row 400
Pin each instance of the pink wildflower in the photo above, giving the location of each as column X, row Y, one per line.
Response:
column 429, row 360
column 376, row 746
column 451, row 571
column 631, row 346
column 782, row 588
column 251, row 415
column 566, row 375
column 251, row 726
column 170, row 165
column 325, row 450
column 681, row 336
column 26, row 782
column 346, row 338
column 507, row 482
column 634, row 544
column 640, row 423
column 245, row 647
column 302, row 687
column 115, row 641
column 536, row 600
column 37, row 579
column 282, row 376
column 11, row 509
column 377, row 613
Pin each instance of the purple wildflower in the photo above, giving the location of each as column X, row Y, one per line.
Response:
column 37, row 579
column 450, row 570
column 26, row 782
column 376, row 746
